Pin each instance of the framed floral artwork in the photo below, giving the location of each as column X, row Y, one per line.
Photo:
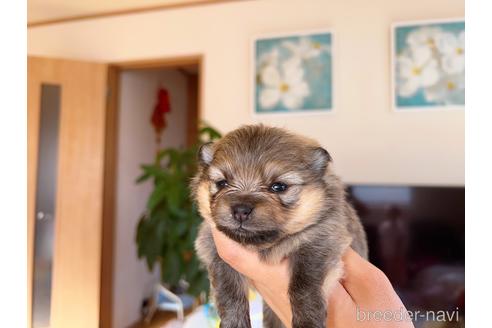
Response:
column 293, row 73
column 428, row 65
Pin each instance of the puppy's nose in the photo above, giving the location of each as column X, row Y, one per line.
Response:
column 241, row 212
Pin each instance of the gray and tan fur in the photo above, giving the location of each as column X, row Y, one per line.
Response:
column 310, row 222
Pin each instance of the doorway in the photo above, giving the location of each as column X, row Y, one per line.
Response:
column 131, row 140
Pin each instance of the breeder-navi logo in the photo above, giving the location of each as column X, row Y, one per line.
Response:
column 404, row 315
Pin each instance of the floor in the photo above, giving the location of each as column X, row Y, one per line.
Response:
column 159, row 319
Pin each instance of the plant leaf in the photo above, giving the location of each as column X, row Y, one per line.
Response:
column 210, row 132
column 143, row 177
column 166, row 233
column 157, row 196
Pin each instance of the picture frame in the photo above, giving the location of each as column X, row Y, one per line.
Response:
column 319, row 58
column 442, row 87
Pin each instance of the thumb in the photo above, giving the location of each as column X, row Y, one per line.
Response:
column 243, row 260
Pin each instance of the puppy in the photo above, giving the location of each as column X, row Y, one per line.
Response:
column 274, row 192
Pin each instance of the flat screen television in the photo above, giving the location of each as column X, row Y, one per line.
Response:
column 416, row 235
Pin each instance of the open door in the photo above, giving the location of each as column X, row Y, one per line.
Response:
column 66, row 140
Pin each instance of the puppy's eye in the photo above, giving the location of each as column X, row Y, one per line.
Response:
column 278, row 187
column 221, row 184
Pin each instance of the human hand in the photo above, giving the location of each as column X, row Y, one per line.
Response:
column 364, row 289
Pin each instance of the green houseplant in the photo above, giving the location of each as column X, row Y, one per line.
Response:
column 167, row 230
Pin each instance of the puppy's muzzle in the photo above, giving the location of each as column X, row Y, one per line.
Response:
column 241, row 212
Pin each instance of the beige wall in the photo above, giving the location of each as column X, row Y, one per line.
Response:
column 369, row 143
column 136, row 145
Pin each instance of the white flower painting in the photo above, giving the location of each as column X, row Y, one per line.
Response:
column 293, row 73
column 429, row 65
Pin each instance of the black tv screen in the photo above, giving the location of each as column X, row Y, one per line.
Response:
column 416, row 235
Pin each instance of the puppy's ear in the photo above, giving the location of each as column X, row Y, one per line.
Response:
column 320, row 160
column 206, row 153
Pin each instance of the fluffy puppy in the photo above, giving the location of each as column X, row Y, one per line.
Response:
column 274, row 192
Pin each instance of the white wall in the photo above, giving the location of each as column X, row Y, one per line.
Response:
column 369, row 143
column 136, row 145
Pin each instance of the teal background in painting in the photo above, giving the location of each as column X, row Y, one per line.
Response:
column 317, row 73
column 401, row 34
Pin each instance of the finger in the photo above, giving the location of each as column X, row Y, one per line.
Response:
column 340, row 306
column 339, row 297
column 366, row 284
column 275, row 294
column 240, row 258
column 355, row 265
column 361, row 278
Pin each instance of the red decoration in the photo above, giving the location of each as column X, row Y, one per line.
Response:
column 162, row 107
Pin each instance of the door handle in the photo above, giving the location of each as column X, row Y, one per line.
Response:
column 44, row 216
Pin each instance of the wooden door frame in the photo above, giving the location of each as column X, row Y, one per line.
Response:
column 110, row 161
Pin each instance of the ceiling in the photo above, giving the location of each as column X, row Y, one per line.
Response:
column 42, row 11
